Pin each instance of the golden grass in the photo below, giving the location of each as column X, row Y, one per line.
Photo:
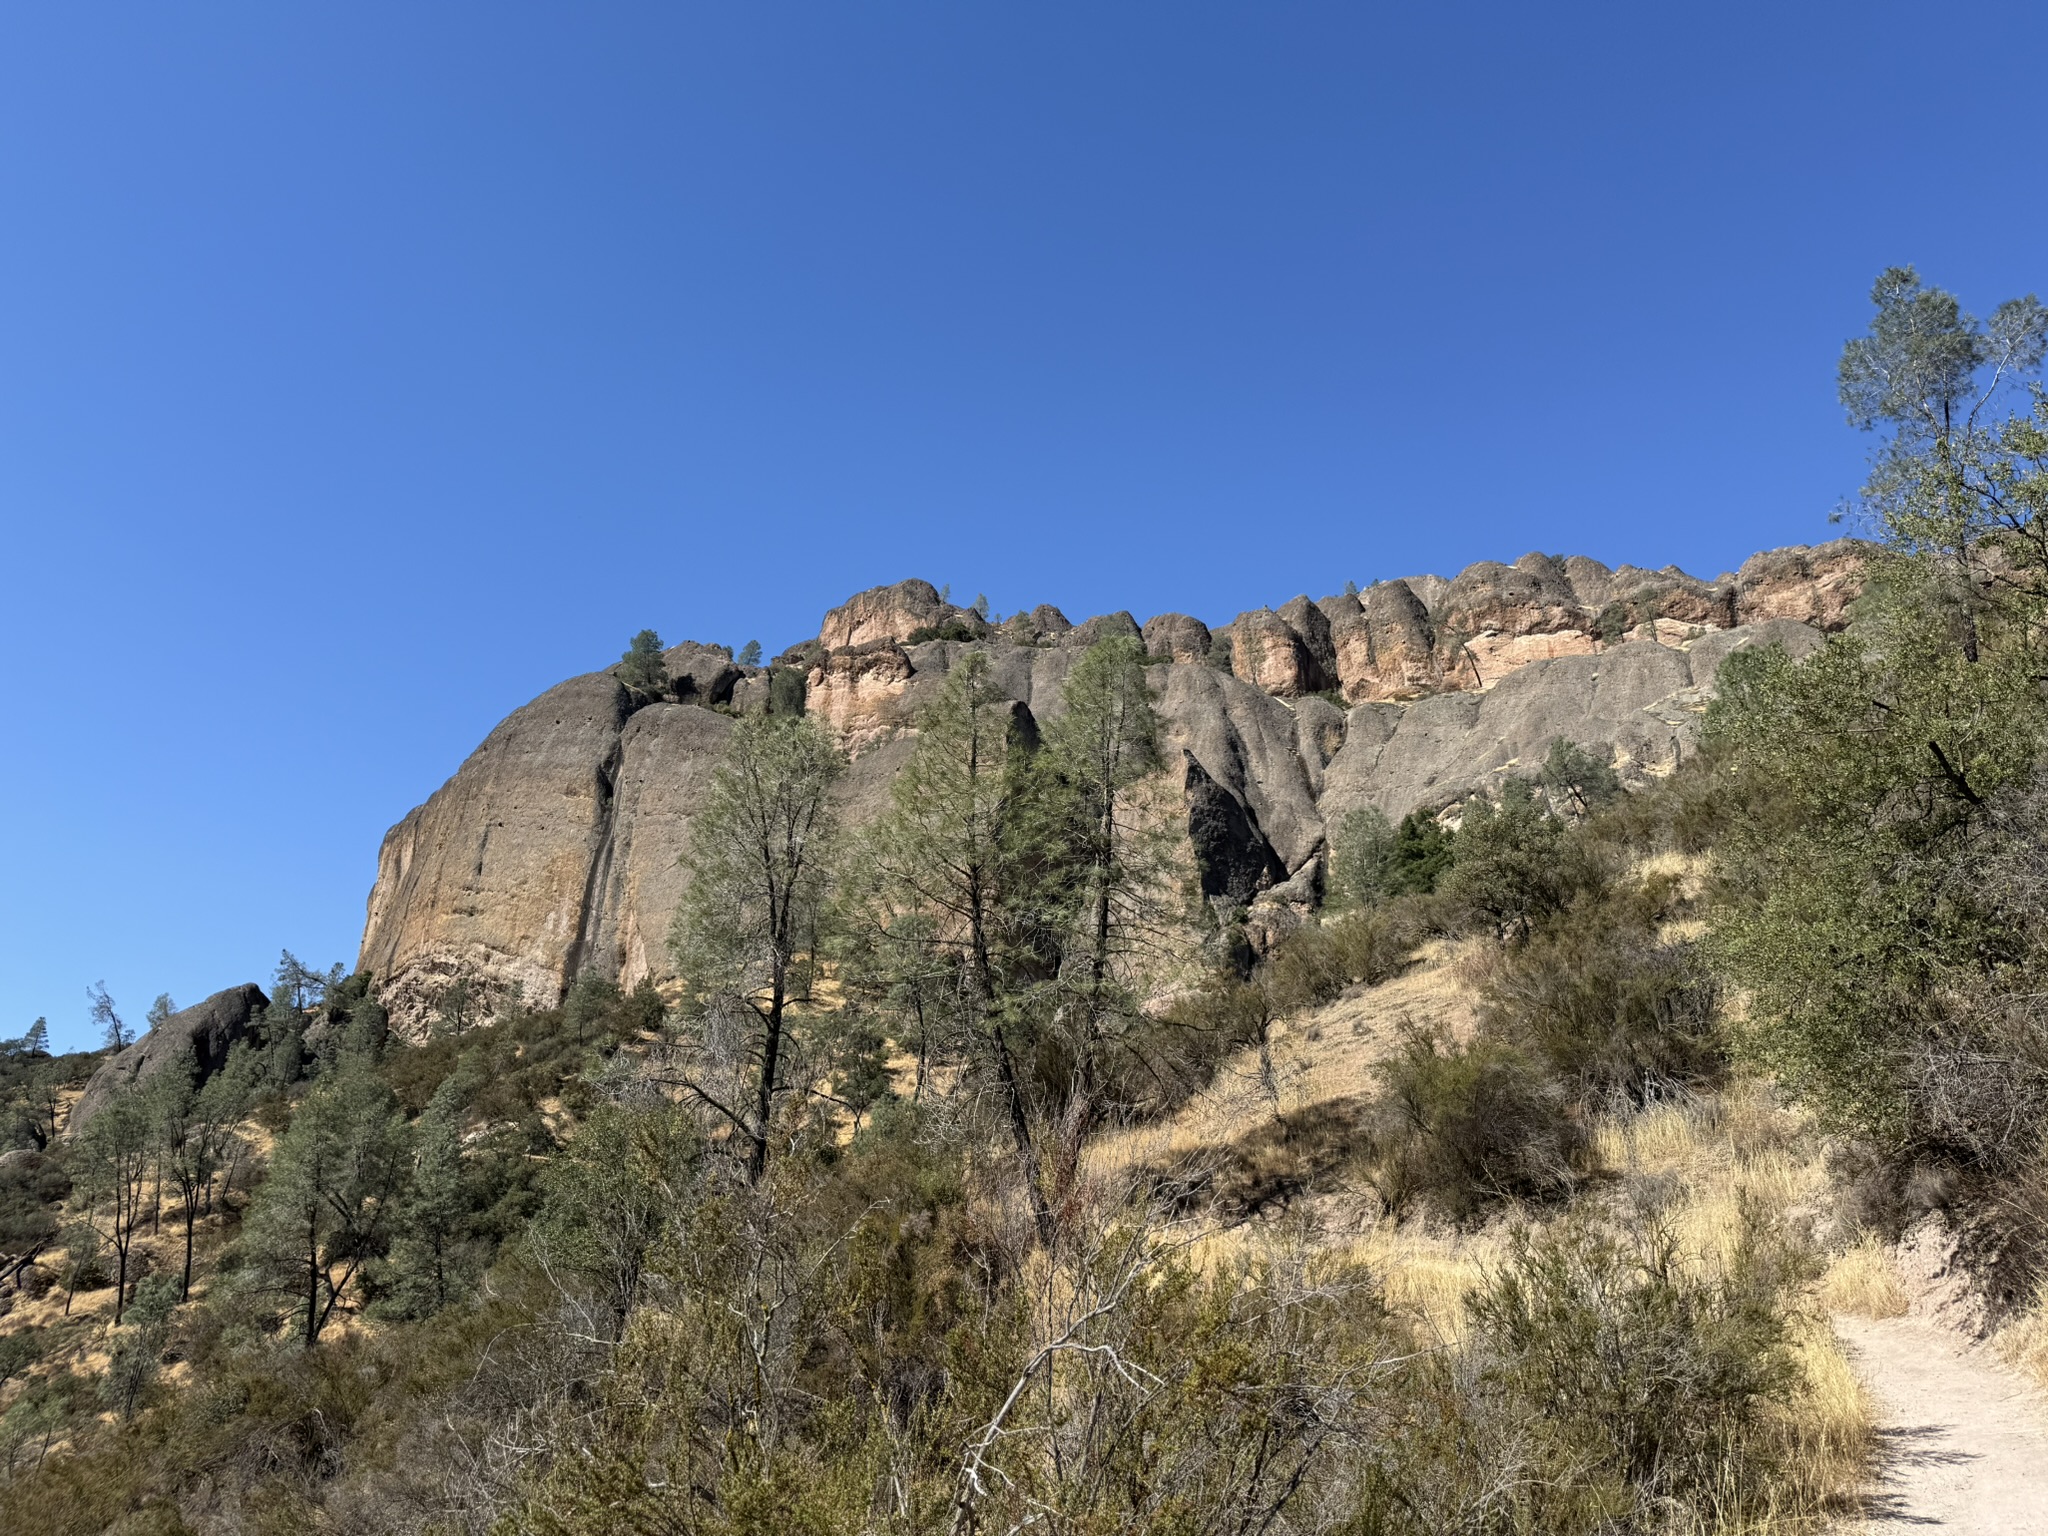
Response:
column 2024, row 1341
column 1863, row 1282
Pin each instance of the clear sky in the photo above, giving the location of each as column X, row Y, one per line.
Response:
column 366, row 369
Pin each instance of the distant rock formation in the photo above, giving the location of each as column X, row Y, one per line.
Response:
column 202, row 1034
column 557, row 846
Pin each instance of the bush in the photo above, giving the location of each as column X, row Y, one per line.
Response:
column 1513, row 864
column 1639, row 1371
column 1608, row 1009
column 1460, row 1127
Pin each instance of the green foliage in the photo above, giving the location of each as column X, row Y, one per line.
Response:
column 113, row 1032
column 336, row 1177
column 1649, row 1382
column 1372, row 861
column 952, row 627
column 1513, row 863
column 642, row 668
column 787, row 687
column 1873, row 797
column 750, row 654
column 1578, row 781
column 747, row 934
column 1462, row 1127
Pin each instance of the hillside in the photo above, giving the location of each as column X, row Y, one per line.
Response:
column 558, row 845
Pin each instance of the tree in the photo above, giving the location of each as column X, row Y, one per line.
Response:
column 1361, row 858
column 952, row 863
column 160, row 1011
column 1512, row 862
column 1954, row 486
column 1105, row 849
column 114, row 1153
column 1576, row 779
column 759, row 866
column 37, row 1041
column 335, row 1178
column 750, row 654
column 787, row 690
column 195, row 1126
column 428, row 1259
column 138, row 1353
column 642, row 668
column 113, row 1033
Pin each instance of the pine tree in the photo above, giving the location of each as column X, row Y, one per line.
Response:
column 745, row 934
column 427, row 1261
column 642, row 668
column 750, row 654
column 952, row 863
column 114, row 1154
column 113, row 1033
column 160, row 1011
column 335, row 1177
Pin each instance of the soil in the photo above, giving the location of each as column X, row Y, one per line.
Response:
column 1964, row 1442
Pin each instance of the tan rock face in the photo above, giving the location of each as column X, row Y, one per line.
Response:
column 1386, row 649
column 1266, row 652
column 489, row 877
column 858, row 694
column 1814, row 586
column 882, row 613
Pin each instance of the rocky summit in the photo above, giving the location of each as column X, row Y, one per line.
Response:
column 558, row 845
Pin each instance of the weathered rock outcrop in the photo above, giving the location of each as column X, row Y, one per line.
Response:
column 882, row 613
column 202, row 1034
column 558, row 846
column 1176, row 637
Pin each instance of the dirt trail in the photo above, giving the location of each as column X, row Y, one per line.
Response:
column 1965, row 1443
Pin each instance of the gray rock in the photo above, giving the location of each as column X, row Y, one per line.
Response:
column 1177, row 637
column 202, row 1034
column 1104, row 626
column 702, row 674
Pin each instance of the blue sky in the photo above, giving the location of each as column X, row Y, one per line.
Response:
column 369, row 368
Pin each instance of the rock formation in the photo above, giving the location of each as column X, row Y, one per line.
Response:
column 557, row 846
column 202, row 1034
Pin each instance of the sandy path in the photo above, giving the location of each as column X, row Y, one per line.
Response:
column 1965, row 1443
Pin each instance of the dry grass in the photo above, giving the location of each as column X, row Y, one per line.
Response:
column 1863, row 1282
column 2024, row 1341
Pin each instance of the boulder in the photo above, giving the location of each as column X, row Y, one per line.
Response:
column 858, row 693
column 1386, row 648
column 1105, row 626
column 1267, row 651
column 882, row 613
column 1042, row 625
column 702, row 674
column 1177, row 637
column 1309, row 621
column 202, row 1034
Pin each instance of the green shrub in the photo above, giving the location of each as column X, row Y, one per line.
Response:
column 1641, row 1371
column 1607, row 1008
column 1460, row 1127
column 1514, row 864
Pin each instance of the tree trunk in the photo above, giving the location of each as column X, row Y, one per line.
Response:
column 312, row 1283
column 764, row 1090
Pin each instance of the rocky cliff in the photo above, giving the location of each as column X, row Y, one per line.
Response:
column 557, row 846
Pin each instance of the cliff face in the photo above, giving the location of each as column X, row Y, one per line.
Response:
column 557, row 846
